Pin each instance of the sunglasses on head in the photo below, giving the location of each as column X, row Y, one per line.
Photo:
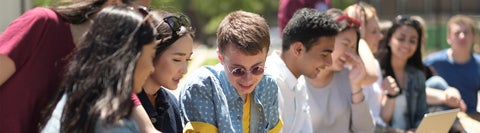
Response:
column 407, row 20
column 176, row 22
column 240, row 71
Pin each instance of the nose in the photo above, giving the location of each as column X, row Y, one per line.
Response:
column 246, row 77
column 328, row 60
column 184, row 68
column 461, row 35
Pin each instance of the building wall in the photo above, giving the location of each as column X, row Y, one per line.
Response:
column 11, row 9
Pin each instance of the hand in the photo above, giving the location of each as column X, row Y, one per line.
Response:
column 357, row 70
column 390, row 86
column 454, row 99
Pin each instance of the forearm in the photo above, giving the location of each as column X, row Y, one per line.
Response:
column 435, row 96
column 143, row 121
column 369, row 62
column 388, row 108
column 7, row 68
column 362, row 120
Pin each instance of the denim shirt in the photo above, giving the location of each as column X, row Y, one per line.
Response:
column 416, row 97
column 207, row 96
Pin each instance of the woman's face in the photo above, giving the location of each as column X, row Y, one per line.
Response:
column 404, row 42
column 345, row 41
column 144, row 66
column 172, row 64
column 373, row 34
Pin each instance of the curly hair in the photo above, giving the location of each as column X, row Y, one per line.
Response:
column 307, row 26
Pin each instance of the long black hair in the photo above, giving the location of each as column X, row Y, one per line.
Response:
column 99, row 79
column 78, row 11
column 384, row 53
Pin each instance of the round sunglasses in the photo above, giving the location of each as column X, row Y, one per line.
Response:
column 240, row 71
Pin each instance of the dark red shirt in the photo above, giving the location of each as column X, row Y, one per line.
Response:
column 39, row 43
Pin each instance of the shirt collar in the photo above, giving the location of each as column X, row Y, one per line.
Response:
column 278, row 66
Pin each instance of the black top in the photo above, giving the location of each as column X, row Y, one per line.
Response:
column 165, row 116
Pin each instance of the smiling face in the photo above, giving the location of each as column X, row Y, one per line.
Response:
column 171, row 65
column 310, row 63
column 346, row 41
column 234, row 58
column 403, row 43
column 144, row 66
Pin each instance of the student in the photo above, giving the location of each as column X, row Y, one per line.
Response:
column 401, row 60
column 37, row 46
column 307, row 44
column 171, row 60
column 367, row 48
column 235, row 95
column 111, row 63
column 337, row 103
column 458, row 65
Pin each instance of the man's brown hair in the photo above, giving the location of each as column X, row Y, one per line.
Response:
column 461, row 20
column 245, row 31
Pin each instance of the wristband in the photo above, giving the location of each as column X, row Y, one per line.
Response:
column 394, row 96
column 354, row 93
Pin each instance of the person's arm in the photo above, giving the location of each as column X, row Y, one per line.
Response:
column 7, row 68
column 361, row 119
column 435, row 96
column 143, row 121
column 454, row 99
column 369, row 63
column 388, row 103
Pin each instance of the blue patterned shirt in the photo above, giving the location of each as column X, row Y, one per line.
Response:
column 208, row 97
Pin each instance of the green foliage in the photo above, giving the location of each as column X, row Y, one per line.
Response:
column 42, row 3
column 210, row 61
column 207, row 14
column 342, row 4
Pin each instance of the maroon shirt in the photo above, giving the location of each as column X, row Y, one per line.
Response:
column 38, row 42
column 288, row 7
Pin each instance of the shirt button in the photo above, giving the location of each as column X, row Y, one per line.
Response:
column 154, row 120
column 239, row 117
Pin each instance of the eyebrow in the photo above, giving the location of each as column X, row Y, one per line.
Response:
column 346, row 39
column 254, row 65
column 327, row 50
column 181, row 54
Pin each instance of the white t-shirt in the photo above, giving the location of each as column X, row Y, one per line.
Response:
column 373, row 94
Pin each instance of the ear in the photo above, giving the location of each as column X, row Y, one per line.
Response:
column 449, row 41
column 219, row 56
column 297, row 48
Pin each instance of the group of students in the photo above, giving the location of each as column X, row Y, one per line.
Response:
column 106, row 65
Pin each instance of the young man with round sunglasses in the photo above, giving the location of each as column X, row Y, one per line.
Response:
column 307, row 43
column 234, row 96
